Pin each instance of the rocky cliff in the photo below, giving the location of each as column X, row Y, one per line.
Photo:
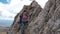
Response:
column 41, row 21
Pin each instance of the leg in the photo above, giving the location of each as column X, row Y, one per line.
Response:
column 23, row 27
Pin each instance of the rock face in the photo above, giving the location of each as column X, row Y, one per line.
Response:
column 33, row 10
column 46, row 21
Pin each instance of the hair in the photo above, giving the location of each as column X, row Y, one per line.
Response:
column 23, row 12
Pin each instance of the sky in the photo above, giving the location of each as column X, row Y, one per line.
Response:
column 9, row 8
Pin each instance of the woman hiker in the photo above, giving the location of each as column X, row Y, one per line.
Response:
column 23, row 21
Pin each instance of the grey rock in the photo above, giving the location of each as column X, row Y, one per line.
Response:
column 41, row 21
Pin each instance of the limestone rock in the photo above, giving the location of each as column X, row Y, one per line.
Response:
column 33, row 10
column 41, row 21
column 48, row 20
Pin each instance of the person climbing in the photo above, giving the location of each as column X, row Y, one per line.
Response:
column 23, row 21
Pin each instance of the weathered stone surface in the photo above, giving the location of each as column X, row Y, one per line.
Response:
column 46, row 21
column 33, row 10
